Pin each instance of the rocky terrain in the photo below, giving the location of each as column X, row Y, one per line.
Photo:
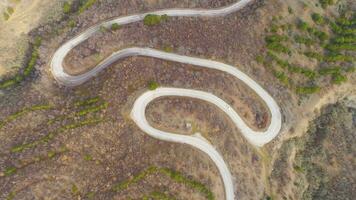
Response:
column 79, row 143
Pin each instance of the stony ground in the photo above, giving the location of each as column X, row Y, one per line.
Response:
column 79, row 143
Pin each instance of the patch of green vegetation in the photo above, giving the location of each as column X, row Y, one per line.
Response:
column 330, row 70
column 115, row 27
column 153, row 85
column 301, row 25
column 327, row 146
column 92, row 109
column 298, row 168
column 23, row 112
column 175, row 176
column 67, row 7
column 11, row 196
column 338, row 78
column 85, row 4
column 290, row 10
column 308, row 90
column 168, row 48
column 344, row 39
column 10, row 10
column 28, row 69
column 325, row 3
column 52, row 135
column 282, row 77
column 72, row 23
column 90, row 195
column 138, row 177
column 292, row 68
column 75, row 190
column 6, row 16
column 274, row 43
column 87, row 102
column 260, row 59
column 341, row 47
column 314, row 55
column 336, row 57
column 180, row 178
column 10, row 171
column 88, row 157
column 322, row 36
column 318, row 19
column 304, row 40
column 51, row 154
column 152, row 19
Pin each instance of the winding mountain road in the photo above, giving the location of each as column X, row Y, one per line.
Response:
column 139, row 108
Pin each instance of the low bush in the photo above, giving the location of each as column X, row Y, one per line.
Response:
column 153, row 85
column 330, row 70
column 336, row 57
column 85, row 4
column 174, row 175
column 151, row 19
column 115, row 27
column 67, row 7
column 338, row 78
column 282, row 77
column 308, row 90
column 302, row 25
column 304, row 40
column 344, row 39
column 326, row 3
column 29, row 67
column 314, row 55
column 317, row 18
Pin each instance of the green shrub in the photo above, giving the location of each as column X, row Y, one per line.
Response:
column 115, row 27
column 330, row 70
column 92, row 109
column 87, row 102
column 6, row 16
column 302, row 25
column 340, row 47
column 335, row 57
column 318, row 19
column 153, row 85
column 322, row 36
column 339, row 78
column 308, row 90
column 72, row 23
column 282, row 77
column 326, row 3
column 260, row 59
column 290, row 10
column 29, row 67
column 10, row 171
column 303, row 40
column 10, row 10
column 85, row 4
column 152, row 19
column 279, row 48
column 175, row 176
column 314, row 55
column 168, row 49
column 344, row 39
column 67, row 8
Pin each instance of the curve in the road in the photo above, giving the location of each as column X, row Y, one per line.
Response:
column 139, row 108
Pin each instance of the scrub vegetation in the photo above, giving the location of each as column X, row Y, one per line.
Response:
column 329, row 42
column 321, row 165
column 173, row 175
